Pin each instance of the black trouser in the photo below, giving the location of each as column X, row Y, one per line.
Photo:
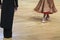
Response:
column 7, row 33
column 7, row 21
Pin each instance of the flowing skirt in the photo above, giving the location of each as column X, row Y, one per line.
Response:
column 45, row 6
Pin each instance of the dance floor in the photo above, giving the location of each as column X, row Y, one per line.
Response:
column 27, row 23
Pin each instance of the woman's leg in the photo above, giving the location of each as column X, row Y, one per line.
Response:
column 45, row 16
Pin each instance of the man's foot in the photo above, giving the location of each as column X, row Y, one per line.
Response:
column 7, row 38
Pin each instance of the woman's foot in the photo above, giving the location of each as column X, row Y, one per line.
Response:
column 44, row 20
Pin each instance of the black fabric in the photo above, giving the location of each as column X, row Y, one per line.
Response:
column 7, row 15
column 7, row 33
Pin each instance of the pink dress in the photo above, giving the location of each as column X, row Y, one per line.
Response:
column 45, row 6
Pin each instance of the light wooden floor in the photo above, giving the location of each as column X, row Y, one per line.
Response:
column 27, row 24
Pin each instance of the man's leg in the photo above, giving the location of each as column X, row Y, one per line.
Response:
column 7, row 32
